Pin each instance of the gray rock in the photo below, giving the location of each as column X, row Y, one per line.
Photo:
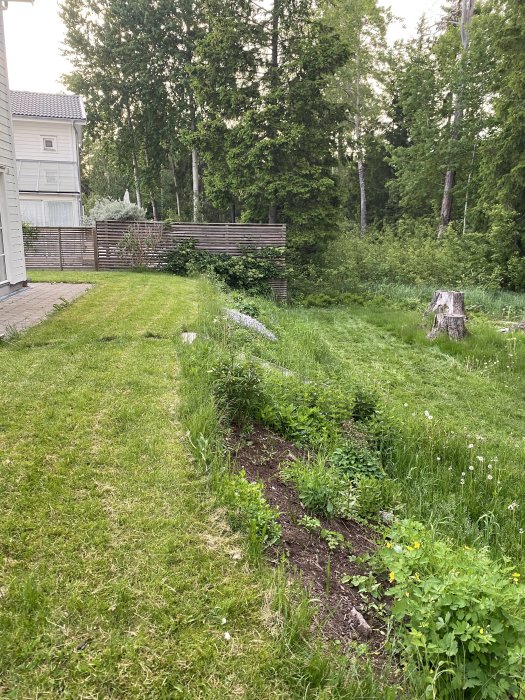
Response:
column 189, row 338
column 249, row 322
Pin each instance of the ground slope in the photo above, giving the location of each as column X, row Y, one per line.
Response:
column 116, row 570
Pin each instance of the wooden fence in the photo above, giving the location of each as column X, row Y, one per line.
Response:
column 60, row 248
column 120, row 245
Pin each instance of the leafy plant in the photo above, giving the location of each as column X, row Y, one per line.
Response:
column 366, row 585
column 365, row 405
column 237, row 388
column 250, row 510
column 246, row 305
column 139, row 244
column 333, row 539
column 460, row 613
column 250, row 271
column 30, row 234
column 321, row 489
column 356, row 460
column 374, row 496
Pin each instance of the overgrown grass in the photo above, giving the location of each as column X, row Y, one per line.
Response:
column 440, row 397
column 119, row 573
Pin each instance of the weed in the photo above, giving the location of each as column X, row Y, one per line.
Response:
column 236, row 386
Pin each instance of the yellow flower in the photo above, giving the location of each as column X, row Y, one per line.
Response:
column 417, row 545
column 516, row 577
column 416, row 577
column 410, row 549
column 388, row 545
column 391, row 576
column 481, row 631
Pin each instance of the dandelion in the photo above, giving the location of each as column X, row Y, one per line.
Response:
column 470, row 447
column 427, row 415
column 405, row 405
column 521, row 531
column 463, row 474
column 227, row 636
column 438, row 459
column 479, row 458
column 490, row 477
column 512, row 506
column 391, row 577
column 471, row 468
column 462, row 482
column 450, row 469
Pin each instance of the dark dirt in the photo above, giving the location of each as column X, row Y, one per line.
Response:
column 260, row 453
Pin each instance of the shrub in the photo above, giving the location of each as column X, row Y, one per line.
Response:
column 355, row 460
column 306, row 414
column 366, row 405
column 139, row 245
column 460, row 614
column 374, row 496
column 237, row 388
column 321, row 489
column 106, row 209
column 245, row 305
column 250, row 510
column 251, row 271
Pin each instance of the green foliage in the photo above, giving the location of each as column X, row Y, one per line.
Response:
column 251, row 271
column 321, row 489
column 30, row 235
column 334, row 540
column 355, row 461
column 246, row 305
column 106, row 209
column 307, row 414
column 237, row 388
column 365, row 405
column 374, row 496
column 460, row 614
column 250, row 510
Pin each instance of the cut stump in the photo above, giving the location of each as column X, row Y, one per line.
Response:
column 450, row 317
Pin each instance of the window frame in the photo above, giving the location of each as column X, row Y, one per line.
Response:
column 54, row 141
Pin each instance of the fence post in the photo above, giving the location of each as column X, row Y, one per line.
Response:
column 95, row 245
column 60, row 248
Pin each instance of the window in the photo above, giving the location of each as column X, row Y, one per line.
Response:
column 47, row 176
column 32, row 212
column 49, row 143
column 59, row 213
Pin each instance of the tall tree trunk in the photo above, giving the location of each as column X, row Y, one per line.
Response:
column 360, row 150
column 195, row 166
column 134, row 159
column 175, row 184
column 154, row 210
column 467, row 13
column 274, row 80
column 467, row 192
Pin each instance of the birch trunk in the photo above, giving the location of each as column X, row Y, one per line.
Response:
column 195, row 166
column 359, row 145
column 467, row 13
column 272, row 209
column 175, row 183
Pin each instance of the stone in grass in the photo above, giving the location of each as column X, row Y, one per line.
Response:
column 249, row 322
column 360, row 623
column 188, row 338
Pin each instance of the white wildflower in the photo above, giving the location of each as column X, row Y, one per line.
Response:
column 427, row 415
column 462, row 481
column 471, row 468
column 480, row 458
column 512, row 506
column 227, row 636
column 490, row 477
column 405, row 405
column 470, row 447
column 223, row 621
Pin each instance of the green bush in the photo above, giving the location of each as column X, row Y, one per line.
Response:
column 251, row 271
column 306, row 414
column 237, row 388
column 355, row 460
column 366, row 405
column 374, row 496
column 460, row 614
column 321, row 489
column 249, row 509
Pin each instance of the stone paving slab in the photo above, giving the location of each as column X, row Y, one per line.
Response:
column 32, row 304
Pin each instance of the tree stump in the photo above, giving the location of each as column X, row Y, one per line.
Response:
column 450, row 317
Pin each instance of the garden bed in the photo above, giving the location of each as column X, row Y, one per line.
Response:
column 260, row 453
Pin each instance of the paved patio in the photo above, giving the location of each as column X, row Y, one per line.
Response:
column 31, row 305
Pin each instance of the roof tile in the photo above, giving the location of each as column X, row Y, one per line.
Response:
column 38, row 104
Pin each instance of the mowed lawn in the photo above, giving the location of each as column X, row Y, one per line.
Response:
column 116, row 569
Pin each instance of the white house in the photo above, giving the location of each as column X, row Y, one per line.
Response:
column 48, row 136
column 12, row 261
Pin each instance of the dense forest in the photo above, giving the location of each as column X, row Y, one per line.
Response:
column 403, row 162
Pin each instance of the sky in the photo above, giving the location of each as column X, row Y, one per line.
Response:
column 34, row 36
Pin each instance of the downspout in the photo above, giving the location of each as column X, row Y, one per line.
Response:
column 78, row 143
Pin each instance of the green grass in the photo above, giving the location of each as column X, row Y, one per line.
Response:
column 117, row 566
column 473, row 390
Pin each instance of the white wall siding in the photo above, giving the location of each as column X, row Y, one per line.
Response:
column 13, row 241
column 29, row 135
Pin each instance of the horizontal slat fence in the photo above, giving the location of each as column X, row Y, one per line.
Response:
column 120, row 245
column 62, row 248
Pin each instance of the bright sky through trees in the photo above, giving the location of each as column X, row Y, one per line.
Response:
column 34, row 35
